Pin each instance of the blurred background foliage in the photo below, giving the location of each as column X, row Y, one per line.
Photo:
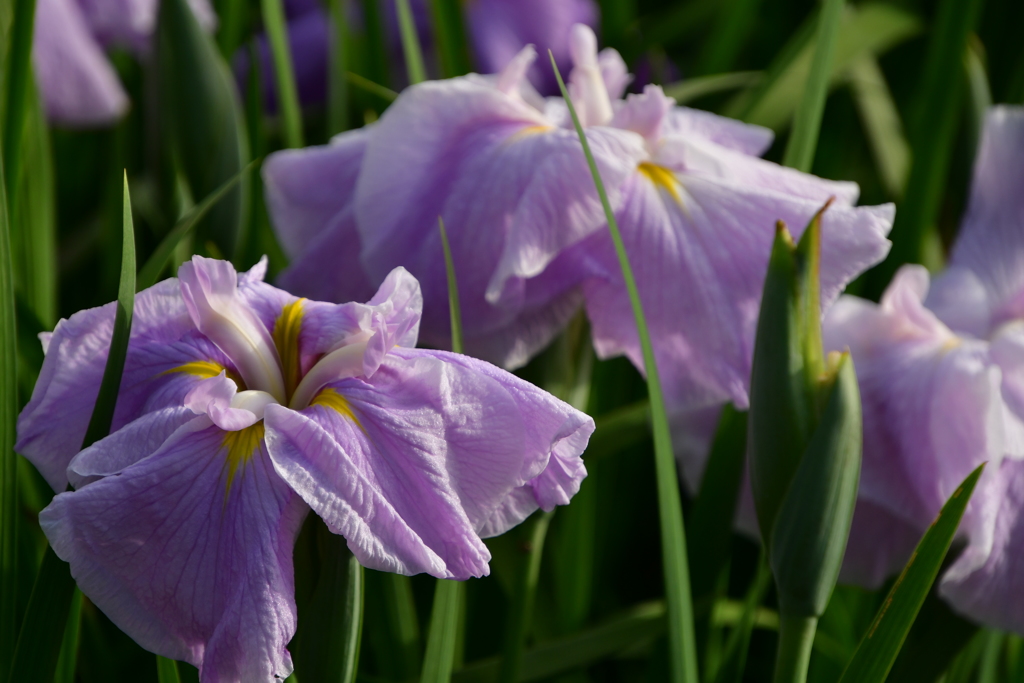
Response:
column 910, row 84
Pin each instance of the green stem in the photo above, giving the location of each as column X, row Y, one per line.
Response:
column 287, row 95
column 67, row 661
column 337, row 85
column 796, row 639
column 521, row 613
column 410, row 43
column 8, row 461
column 807, row 121
column 444, row 626
column 17, row 78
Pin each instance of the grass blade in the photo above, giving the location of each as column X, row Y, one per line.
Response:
column 414, row 68
column 8, row 415
column 728, row 35
column 521, row 609
column 453, row 290
column 365, row 84
column 450, row 36
column 167, row 670
column 881, row 123
column 694, row 88
column 39, row 641
column 735, row 656
column 337, row 84
column 284, row 75
column 157, row 261
column 444, row 623
column 807, row 123
column 682, row 646
column 933, row 130
column 16, row 97
column 67, row 661
column 878, row 649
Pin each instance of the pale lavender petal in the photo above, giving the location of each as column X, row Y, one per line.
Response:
column 991, row 239
column 132, row 23
column 189, row 557
column 699, row 248
column 879, row 546
column 730, row 133
column 500, row 28
column 959, row 298
column 79, row 87
column 644, row 114
column 412, row 464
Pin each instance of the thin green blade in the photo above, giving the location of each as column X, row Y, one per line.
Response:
column 414, row 67
column 17, row 81
column 682, row 643
column 453, row 290
column 878, row 649
column 284, row 75
column 450, row 36
column 444, row 622
column 521, row 611
column 882, row 125
column 167, row 670
column 157, row 261
column 337, row 79
column 39, row 641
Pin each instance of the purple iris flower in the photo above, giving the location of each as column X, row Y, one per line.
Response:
column 941, row 371
column 242, row 407
column 505, row 170
column 79, row 87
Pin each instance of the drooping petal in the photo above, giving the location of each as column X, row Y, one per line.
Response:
column 78, row 85
column 991, row 239
column 513, row 191
column 699, row 248
column 412, row 465
column 730, row 133
column 210, row 290
column 189, row 555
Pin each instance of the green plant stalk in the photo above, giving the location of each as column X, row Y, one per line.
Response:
column 807, row 122
column 8, row 416
column 521, row 610
column 796, row 640
column 414, row 68
column 450, row 36
column 284, row 76
column 167, row 670
column 232, row 15
column 454, row 308
column 19, row 64
column 67, row 662
column 444, row 625
column 337, row 85
column 682, row 644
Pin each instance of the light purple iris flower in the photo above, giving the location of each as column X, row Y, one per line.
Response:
column 505, row 170
column 79, row 87
column 242, row 407
column 941, row 371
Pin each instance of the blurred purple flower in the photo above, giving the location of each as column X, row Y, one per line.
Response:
column 505, row 170
column 240, row 406
column 79, row 87
column 941, row 370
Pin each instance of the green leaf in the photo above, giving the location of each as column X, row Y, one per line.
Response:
column 67, row 661
column 232, row 22
column 38, row 645
column 807, row 122
column 157, row 261
column 682, row 645
column 414, row 67
column 641, row 624
column 441, row 638
column 8, row 416
column 17, row 79
column 167, row 670
column 878, row 649
column 978, row 87
column 520, row 615
column 735, row 656
column 882, row 125
column 732, row 28
column 454, row 309
column 330, row 628
column 694, row 88
column 620, row 430
column 207, row 132
column 337, row 83
column 869, row 29
column 284, row 76
column 450, row 36
column 932, row 132
column 363, row 83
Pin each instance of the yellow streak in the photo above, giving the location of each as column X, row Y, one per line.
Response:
column 527, row 132
column 240, row 446
column 330, row 398
column 205, row 369
column 662, row 178
column 286, row 339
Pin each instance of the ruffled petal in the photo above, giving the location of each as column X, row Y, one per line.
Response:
column 79, row 87
column 711, row 240
column 412, row 465
column 745, row 138
column 991, row 239
column 189, row 556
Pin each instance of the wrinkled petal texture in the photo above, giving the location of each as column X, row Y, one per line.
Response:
column 189, row 557
column 699, row 248
column 991, row 239
column 415, row 464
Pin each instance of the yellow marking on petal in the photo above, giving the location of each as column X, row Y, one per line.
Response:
column 205, row 369
column 286, row 339
column 529, row 131
column 330, row 398
column 662, row 178
column 239, row 447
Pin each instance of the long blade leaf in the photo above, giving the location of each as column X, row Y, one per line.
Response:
column 878, row 649
column 39, row 641
column 682, row 644
column 16, row 98
column 444, row 622
column 167, row 670
column 284, row 75
column 521, row 610
column 453, row 290
column 414, row 67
